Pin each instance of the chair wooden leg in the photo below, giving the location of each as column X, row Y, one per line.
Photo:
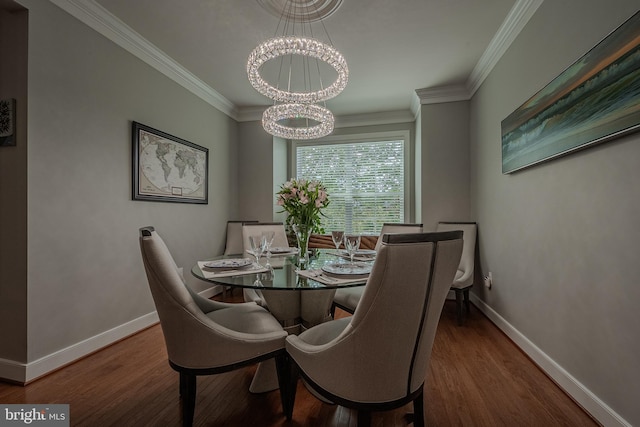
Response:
column 459, row 295
column 188, row 393
column 418, row 410
column 183, row 385
column 291, row 377
column 467, row 306
column 287, row 386
column 364, row 418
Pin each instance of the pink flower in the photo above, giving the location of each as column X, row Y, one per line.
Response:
column 304, row 199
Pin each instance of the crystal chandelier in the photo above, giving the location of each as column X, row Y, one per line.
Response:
column 274, row 115
column 303, row 62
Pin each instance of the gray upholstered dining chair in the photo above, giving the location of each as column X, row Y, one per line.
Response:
column 395, row 228
column 205, row 337
column 233, row 244
column 347, row 298
column 377, row 359
column 279, row 240
column 463, row 281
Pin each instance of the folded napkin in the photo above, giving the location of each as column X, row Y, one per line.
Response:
column 211, row 273
column 320, row 276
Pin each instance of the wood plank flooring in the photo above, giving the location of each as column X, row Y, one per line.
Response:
column 477, row 377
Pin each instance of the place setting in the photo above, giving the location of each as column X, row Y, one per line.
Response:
column 362, row 255
column 354, row 271
column 229, row 267
column 282, row 251
column 352, row 253
column 266, row 249
column 339, row 273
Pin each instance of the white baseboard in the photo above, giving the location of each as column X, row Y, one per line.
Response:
column 12, row 370
column 60, row 358
column 25, row 372
column 574, row 388
column 211, row 292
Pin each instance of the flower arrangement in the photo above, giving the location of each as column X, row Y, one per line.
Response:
column 303, row 201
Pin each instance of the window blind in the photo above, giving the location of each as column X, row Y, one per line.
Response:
column 365, row 182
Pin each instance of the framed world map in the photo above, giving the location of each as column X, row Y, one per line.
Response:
column 167, row 168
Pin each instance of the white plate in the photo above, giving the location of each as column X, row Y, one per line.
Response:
column 282, row 250
column 229, row 263
column 348, row 269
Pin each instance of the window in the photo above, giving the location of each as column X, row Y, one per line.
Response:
column 366, row 181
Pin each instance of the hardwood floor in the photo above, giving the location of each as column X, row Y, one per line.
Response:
column 477, row 377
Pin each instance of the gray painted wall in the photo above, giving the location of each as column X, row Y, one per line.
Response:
column 85, row 275
column 444, row 174
column 561, row 238
column 13, row 190
column 256, row 198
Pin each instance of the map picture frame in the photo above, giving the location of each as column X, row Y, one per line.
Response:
column 167, row 168
column 7, row 122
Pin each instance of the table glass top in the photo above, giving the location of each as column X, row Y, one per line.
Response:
column 284, row 276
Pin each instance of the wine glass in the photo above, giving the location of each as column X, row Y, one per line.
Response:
column 268, row 237
column 351, row 243
column 258, row 245
column 337, row 237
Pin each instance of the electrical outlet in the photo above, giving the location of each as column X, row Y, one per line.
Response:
column 488, row 281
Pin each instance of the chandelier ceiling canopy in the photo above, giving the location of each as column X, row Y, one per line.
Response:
column 293, row 69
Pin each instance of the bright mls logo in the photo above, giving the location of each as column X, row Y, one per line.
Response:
column 38, row 415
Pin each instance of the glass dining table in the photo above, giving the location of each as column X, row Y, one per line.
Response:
column 299, row 299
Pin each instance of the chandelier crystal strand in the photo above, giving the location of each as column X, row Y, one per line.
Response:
column 275, row 114
column 293, row 45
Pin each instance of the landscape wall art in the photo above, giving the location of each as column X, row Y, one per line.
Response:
column 596, row 99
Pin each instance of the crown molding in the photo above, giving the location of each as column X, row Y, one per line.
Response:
column 379, row 118
column 249, row 114
column 438, row 94
column 95, row 16
column 513, row 24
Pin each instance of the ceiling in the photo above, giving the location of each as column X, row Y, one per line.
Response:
column 392, row 48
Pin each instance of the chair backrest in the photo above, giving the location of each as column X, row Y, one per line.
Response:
column 395, row 322
column 279, row 240
column 234, row 243
column 182, row 320
column 464, row 275
column 397, row 228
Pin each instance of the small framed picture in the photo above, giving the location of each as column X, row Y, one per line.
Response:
column 167, row 168
column 7, row 122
